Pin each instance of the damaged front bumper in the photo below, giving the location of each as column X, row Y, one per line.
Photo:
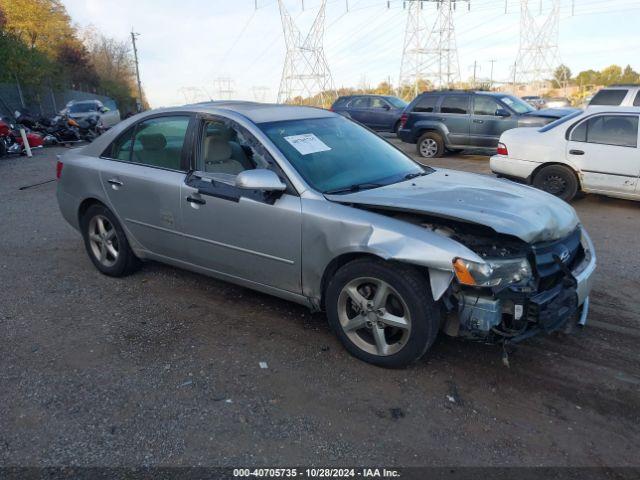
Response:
column 514, row 314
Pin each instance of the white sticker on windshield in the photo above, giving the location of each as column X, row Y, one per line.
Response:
column 307, row 143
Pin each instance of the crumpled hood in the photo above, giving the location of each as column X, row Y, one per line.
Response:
column 504, row 206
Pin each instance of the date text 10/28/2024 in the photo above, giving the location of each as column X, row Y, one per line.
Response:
column 316, row 472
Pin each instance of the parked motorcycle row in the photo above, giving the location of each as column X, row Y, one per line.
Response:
column 42, row 131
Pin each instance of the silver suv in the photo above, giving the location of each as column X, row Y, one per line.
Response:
column 618, row 96
column 309, row 206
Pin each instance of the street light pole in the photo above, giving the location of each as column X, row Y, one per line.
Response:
column 135, row 56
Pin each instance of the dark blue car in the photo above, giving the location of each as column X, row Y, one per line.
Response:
column 378, row 112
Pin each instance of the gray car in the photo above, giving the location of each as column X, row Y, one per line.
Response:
column 309, row 206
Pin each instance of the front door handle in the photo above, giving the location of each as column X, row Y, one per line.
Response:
column 197, row 201
column 576, row 152
column 478, row 121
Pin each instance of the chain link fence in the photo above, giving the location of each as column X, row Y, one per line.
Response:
column 43, row 101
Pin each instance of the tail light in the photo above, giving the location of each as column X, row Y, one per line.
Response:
column 403, row 120
column 502, row 149
column 59, row 166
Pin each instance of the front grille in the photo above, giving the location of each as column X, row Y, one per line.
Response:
column 568, row 249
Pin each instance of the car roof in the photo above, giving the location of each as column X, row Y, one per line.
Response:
column 612, row 109
column 461, row 92
column 254, row 111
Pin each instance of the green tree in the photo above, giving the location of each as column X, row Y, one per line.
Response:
column 611, row 74
column 588, row 77
column 629, row 75
column 561, row 76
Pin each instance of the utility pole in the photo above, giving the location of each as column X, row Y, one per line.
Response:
column 475, row 64
column 491, row 75
column 135, row 56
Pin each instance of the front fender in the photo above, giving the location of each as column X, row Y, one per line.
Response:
column 330, row 230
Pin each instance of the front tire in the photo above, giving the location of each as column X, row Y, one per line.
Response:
column 383, row 313
column 557, row 180
column 430, row 145
column 106, row 242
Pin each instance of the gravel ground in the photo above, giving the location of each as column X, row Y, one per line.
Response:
column 162, row 368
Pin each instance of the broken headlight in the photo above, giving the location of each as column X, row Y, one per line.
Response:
column 492, row 272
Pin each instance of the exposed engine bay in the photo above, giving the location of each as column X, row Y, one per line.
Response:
column 535, row 292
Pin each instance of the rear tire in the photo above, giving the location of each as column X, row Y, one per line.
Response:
column 106, row 242
column 3, row 148
column 430, row 145
column 382, row 312
column 557, row 180
column 396, row 128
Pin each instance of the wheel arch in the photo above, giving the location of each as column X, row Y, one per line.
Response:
column 438, row 279
column 85, row 204
column 557, row 164
column 421, row 128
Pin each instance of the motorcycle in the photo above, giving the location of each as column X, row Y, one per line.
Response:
column 58, row 129
column 11, row 140
column 89, row 127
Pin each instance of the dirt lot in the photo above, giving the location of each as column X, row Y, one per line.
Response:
column 162, row 368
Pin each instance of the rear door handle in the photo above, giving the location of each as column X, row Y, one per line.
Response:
column 478, row 121
column 197, row 201
column 576, row 152
column 115, row 183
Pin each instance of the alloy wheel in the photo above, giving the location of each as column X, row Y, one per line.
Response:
column 428, row 147
column 103, row 240
column 374, row 316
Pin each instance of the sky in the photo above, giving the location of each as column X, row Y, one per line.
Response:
column 185, row 47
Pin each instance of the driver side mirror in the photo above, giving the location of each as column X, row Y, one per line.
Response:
column 386, row 107
column 104, row 109
column 501, row 112
column 260, row 179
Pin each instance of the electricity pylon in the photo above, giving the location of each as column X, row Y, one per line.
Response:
column 538, row 54
column 430, row 54
column 305, row 73
column 224, row 87
column 260, row 93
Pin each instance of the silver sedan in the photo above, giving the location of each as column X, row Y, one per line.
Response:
column 309, row 206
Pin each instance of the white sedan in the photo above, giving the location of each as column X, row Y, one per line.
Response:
column 594, row 151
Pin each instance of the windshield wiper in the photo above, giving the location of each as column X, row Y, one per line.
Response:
column 409, row 176
column 356, row 187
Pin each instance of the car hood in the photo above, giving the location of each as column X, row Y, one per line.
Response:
column 552, row 112
column 502, row 205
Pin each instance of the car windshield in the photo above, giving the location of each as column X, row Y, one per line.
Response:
column 396, row 102
column 335, row 155
column 517, row 105
column 560, row 121
column 83, row 107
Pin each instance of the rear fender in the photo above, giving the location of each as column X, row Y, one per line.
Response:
column 423, row 126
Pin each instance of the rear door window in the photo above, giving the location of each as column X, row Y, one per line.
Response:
column 458, row 104
column 426, row 103
column 159, row 142
column 120, row 149
column 609, row 97
column 618, row 130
